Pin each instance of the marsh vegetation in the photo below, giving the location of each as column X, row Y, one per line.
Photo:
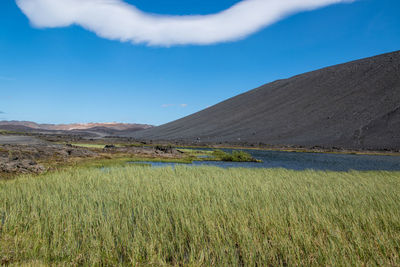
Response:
column 201, row 216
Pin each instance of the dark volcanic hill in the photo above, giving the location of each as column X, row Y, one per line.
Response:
column 354, row 105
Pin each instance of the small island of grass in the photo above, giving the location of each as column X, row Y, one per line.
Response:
column 219, row 155
column 235, row 156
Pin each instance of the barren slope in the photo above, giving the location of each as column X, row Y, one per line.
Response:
column 352, row 105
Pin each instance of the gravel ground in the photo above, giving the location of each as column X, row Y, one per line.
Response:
column 19, row 140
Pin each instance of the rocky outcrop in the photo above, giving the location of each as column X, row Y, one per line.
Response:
column 32, row 158
column 21, row 166
column 23, row 159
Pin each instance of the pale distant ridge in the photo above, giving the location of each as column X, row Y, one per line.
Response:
column 76, row 126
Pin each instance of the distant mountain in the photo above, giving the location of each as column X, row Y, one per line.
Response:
column 111, row 128
column 353, row 105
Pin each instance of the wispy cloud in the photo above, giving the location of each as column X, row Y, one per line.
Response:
column 117, row 20
column 167, row 105
column 174, row 105
column 2, row 112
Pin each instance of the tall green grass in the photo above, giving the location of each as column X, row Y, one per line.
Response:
column 235, row 156
column 201, row 217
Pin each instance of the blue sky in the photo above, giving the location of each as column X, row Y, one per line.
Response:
column 69, row 74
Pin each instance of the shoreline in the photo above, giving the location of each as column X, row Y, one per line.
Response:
column 298, row 150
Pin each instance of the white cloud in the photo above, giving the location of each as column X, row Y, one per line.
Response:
column 174, row 105
column 167, row 105
column 117, row 20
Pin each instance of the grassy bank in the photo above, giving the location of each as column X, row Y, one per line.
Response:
column 109, row 160
column 201, row 217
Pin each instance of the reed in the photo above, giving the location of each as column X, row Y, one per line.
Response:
column 201, row 216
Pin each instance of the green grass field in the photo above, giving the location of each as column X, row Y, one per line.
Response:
column 201, row 216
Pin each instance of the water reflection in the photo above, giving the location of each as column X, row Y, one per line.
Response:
column 303, row 161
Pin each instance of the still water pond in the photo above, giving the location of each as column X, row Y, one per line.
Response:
column 303, row 161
